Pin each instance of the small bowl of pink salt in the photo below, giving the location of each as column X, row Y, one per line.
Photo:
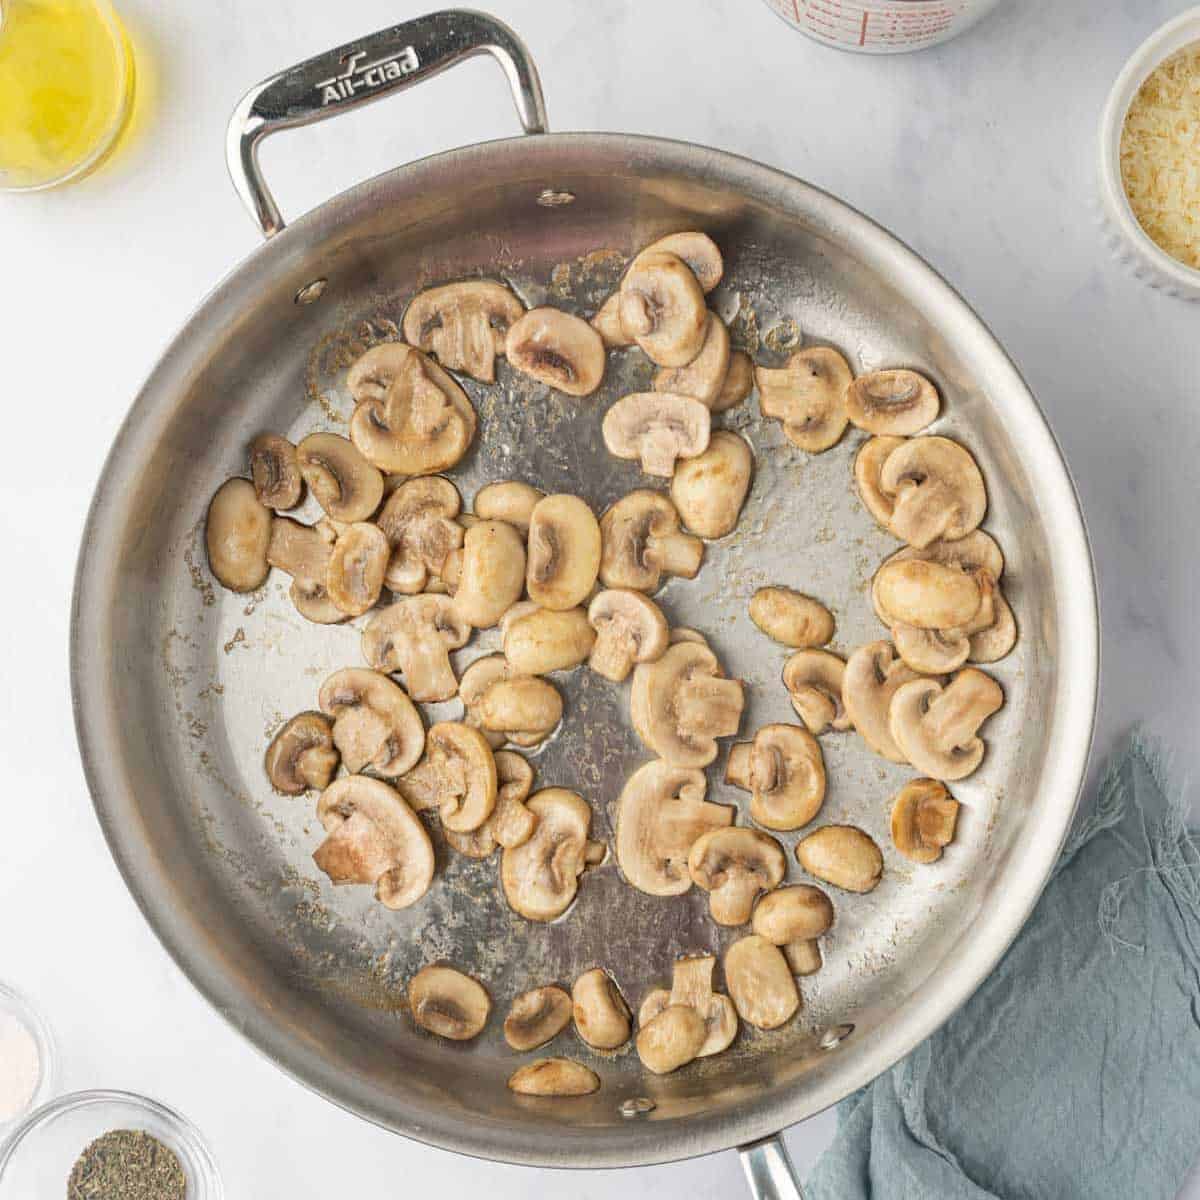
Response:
column 28, row 1061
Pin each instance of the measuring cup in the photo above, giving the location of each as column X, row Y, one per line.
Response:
column 881, row 26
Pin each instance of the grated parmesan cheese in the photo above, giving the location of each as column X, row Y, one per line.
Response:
column 1160, row 155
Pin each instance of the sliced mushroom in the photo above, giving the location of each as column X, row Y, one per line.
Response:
column 419, row 523
column 873, row 675
column 476, row 680
column 526, row 709
column 892, row 403
column 374, row 837
column 662, row 308
column 539, row 640
column 791, row 617
column 557, row 349
column 680, row 633
column 344, row 483
column 564, row 552
column 508, row 500
column 710, row 489
column 672, row 1039
column 303, row 552
column 793, row 918
column 374, row 723
column 601, row 1014
column 540, row 876
column 464, row 324
column 448, row 1002
column 536, row 1017
column 630, row 628
column 422, row 423
column 302, row 755
column 704, row 376
column 554, row 1077
column 607, row 323
column 785, row 776
column 924, row 817
column 842, row 855
column 936, row 727
column 691, row 986
column 492, row 575
column 994, row 641
column 813, row 679
column 660, row 814
column 354, row 575
column 868, row 463
column 734, row 865
column 738, row 384
column 415, row 636
column 927, row 595
column 275, row 471
column 760, row 982
column 656, row 428
column 808, row 397
column 237, row 530
column 682, row 703
column 696, row 249
column 466, row 772
column 935, row 488
column 511, row 823
column 641, row 542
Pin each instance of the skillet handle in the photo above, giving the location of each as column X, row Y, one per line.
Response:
column 364, row 70
column 769, row 1170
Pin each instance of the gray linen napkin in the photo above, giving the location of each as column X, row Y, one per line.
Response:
column 1074, row 1070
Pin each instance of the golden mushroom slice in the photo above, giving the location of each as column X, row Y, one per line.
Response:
column 924, row 818
column 691, row 987
column 710, row 489
column 601, row 1015
column 813, row 679
column 491, row 576
column 357, row 563
column 842, row 855
column 526, row 709
column 760, row 982
column 302, row 755
column 662, row 308
column 554, row 1077
column 237, row 531
column 697, row 250
column 630, row 628
column 785, row 774
column 374, row 723
column 415, row 636
column 344, row 483
column 537, row 1017
column 607, row 323
column 734, row 865
column 476, row 680
column 510, row 824
column 704, row 376
column 641, row 542
column 275, row 471
column 303, row 552
column 738, row 383
column 541, row 876
column 657, row 429
column 466, row 773
column 464, row 324
column 373, row 837
column 538, row 640
column 935, row 488
column 682, row 703
column 892, row 403
column 508, row 500
column 872, row 677
column 660, row 814
column 422, row 423
column 936, row 727
column 672, row 1039
column 790, row 617
column 557, row 349
column 868, row 463
column 793, row 918
column 448, row 1002
column 564, row 552
column 925, row 594
column 419, row 522
column 808, row 397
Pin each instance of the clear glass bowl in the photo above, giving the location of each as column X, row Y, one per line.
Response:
column 15, row 1004
column 36, row 1160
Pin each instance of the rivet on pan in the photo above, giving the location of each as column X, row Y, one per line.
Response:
column 552, row 198
column 835, row 1035
column 310, row 293
column 637, row 1106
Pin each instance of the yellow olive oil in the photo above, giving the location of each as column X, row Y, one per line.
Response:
column 66, row 82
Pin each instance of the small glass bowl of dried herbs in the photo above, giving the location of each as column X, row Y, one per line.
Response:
column 106, row 1146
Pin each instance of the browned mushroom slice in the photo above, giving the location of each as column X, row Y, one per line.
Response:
column 698, row 250
column 373, row 837
column 275, row 471
column 607, row 323
column 418, row 520
column 641, row 541
column 539, row 640
column 704, row 376
column 302, row 755
column 237, row 530
column 448, row 1002
column 491, row 576
column 415, row 636
column 601, row 1015
column 868, row 463
column 710, row 489
column 842, row 855
column 691, row 987
column 354, row 575
column 892, row 403
column 813, row 679
column 525, row 709
column 344, row 483
column 793, row 918
column 927, row 595
column 374, row 723
column 557, row 349
column 657, row 428
column 760, row 982
column 785, row 774
column 739, row 382
column 466, row 772
column 734, row 865
column 303, row 552
column 936, row 727
column 935, row 488
column 564, row 552
column 508, row 500
column 464, row 324
column 672, row 1039
column 510, row 824
column 808, row 397
column 790, row 617
column 630, row 628
column 924, row 816
column 475, row 681
column 554, row 1077
column 872, row 677
column 536, row 1017
column 541, row 876
column 662, row 308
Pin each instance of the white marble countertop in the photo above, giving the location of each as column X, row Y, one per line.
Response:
column 980, row 154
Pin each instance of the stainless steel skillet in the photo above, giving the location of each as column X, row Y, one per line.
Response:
column 178, row 686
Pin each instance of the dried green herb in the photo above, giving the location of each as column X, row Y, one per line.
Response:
column 127, row 1164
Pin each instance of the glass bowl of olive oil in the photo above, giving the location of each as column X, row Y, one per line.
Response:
column 66, row 88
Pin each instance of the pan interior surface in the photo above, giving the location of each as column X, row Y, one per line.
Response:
column 180, row 685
